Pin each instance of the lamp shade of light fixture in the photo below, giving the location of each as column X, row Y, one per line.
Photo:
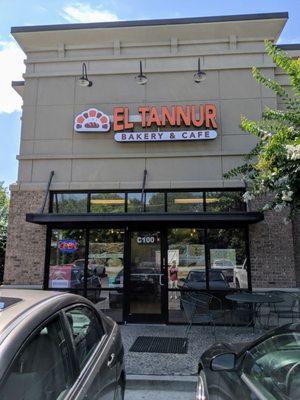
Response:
column 84, row 80
column 199, row 76
column 141, row 79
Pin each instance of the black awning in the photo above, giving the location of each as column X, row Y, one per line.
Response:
column 183, row 219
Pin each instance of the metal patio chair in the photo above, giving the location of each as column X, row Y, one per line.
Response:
column 197, row 309
column 284, row 309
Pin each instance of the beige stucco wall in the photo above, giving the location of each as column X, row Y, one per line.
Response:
column 52, row 99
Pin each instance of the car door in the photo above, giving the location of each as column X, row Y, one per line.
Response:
column 94, row 352
column 42, row 368
column 271, row 369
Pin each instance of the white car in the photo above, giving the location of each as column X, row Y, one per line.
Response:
column 237, row 274
column 240, row 276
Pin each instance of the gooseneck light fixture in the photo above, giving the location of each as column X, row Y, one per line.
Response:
column 141, row 79
column 199, row 76
column 84, row 80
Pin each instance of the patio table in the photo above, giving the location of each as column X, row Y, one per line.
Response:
column 255, row 300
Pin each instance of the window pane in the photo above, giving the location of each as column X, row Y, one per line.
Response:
column 185, row 201
column 87, row 332
column 274, row 366
column 155, row 202
column 108, row 202
column 224, row 201
column 69, row 203
column 67, row 255
column 106, row 252
column 42, row 369
column 186, row 261
column 111, row 304
column 228, row 260
column 134, row 203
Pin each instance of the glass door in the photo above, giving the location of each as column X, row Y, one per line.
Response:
column 145, row 280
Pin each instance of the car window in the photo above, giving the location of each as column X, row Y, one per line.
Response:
column 274, row 365
column 42, row 368
column 87, row 332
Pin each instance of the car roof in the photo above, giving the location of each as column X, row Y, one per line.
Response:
column 27, row 300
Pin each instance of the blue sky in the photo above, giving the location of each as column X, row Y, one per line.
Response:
column 34, row 12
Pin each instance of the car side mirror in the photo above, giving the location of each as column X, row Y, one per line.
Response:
column 223, row 362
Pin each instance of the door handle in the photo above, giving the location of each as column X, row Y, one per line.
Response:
column 111, row 360
column 160, row 278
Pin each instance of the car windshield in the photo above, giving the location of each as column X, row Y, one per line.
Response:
column 274, row 366
column 200, row 276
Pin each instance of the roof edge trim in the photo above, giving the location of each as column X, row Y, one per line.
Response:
column 150, row 22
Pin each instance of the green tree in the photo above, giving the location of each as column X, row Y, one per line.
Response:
column 273, row 166
column 4, row 204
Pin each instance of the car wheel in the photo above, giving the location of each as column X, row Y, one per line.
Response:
column 201, row 393
column 120, row 391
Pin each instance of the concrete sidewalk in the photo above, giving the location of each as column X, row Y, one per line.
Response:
column 200, row 339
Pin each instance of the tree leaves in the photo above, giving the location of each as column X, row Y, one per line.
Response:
column 274, row 163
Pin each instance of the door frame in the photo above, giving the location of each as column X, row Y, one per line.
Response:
column 146, row 318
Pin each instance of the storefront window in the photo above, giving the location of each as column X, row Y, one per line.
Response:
column 185, row 202
column 155, row 202
column 107, row 203
column 227, row 259
column 106, row 253
column 112, row 304
column 69, row 203
column 224, row 201
column 67, row 255
column 134, row 203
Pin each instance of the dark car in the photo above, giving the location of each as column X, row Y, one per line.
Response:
column 56, row 346
column 196, row 279
column 142, row 281
column 266, row 369
column 94, row 274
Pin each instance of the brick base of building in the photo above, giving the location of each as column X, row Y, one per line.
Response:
column 272, row 252
column 26, row 242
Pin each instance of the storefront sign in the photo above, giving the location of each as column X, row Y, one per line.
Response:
column 196, row 116
column 200, row 121
column 67, row 246
column 92, row 120
column 164, row 136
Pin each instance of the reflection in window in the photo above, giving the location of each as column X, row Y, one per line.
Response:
column 155, row 202
column 186, row 253
column 107, row 203
column 67, row 256
column 227, row 251
column 106, row 252
column 134, row 203
column 112, row 303
column 274, row 366
column 42, row 369
column 224, row 201
column 185, row 202
column 69, row 203
column 87, row 332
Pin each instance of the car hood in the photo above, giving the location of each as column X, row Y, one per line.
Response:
column 202, row 285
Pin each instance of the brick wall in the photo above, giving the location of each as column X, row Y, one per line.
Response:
column 272, row 251
column 296, row 233
column 25, row 251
